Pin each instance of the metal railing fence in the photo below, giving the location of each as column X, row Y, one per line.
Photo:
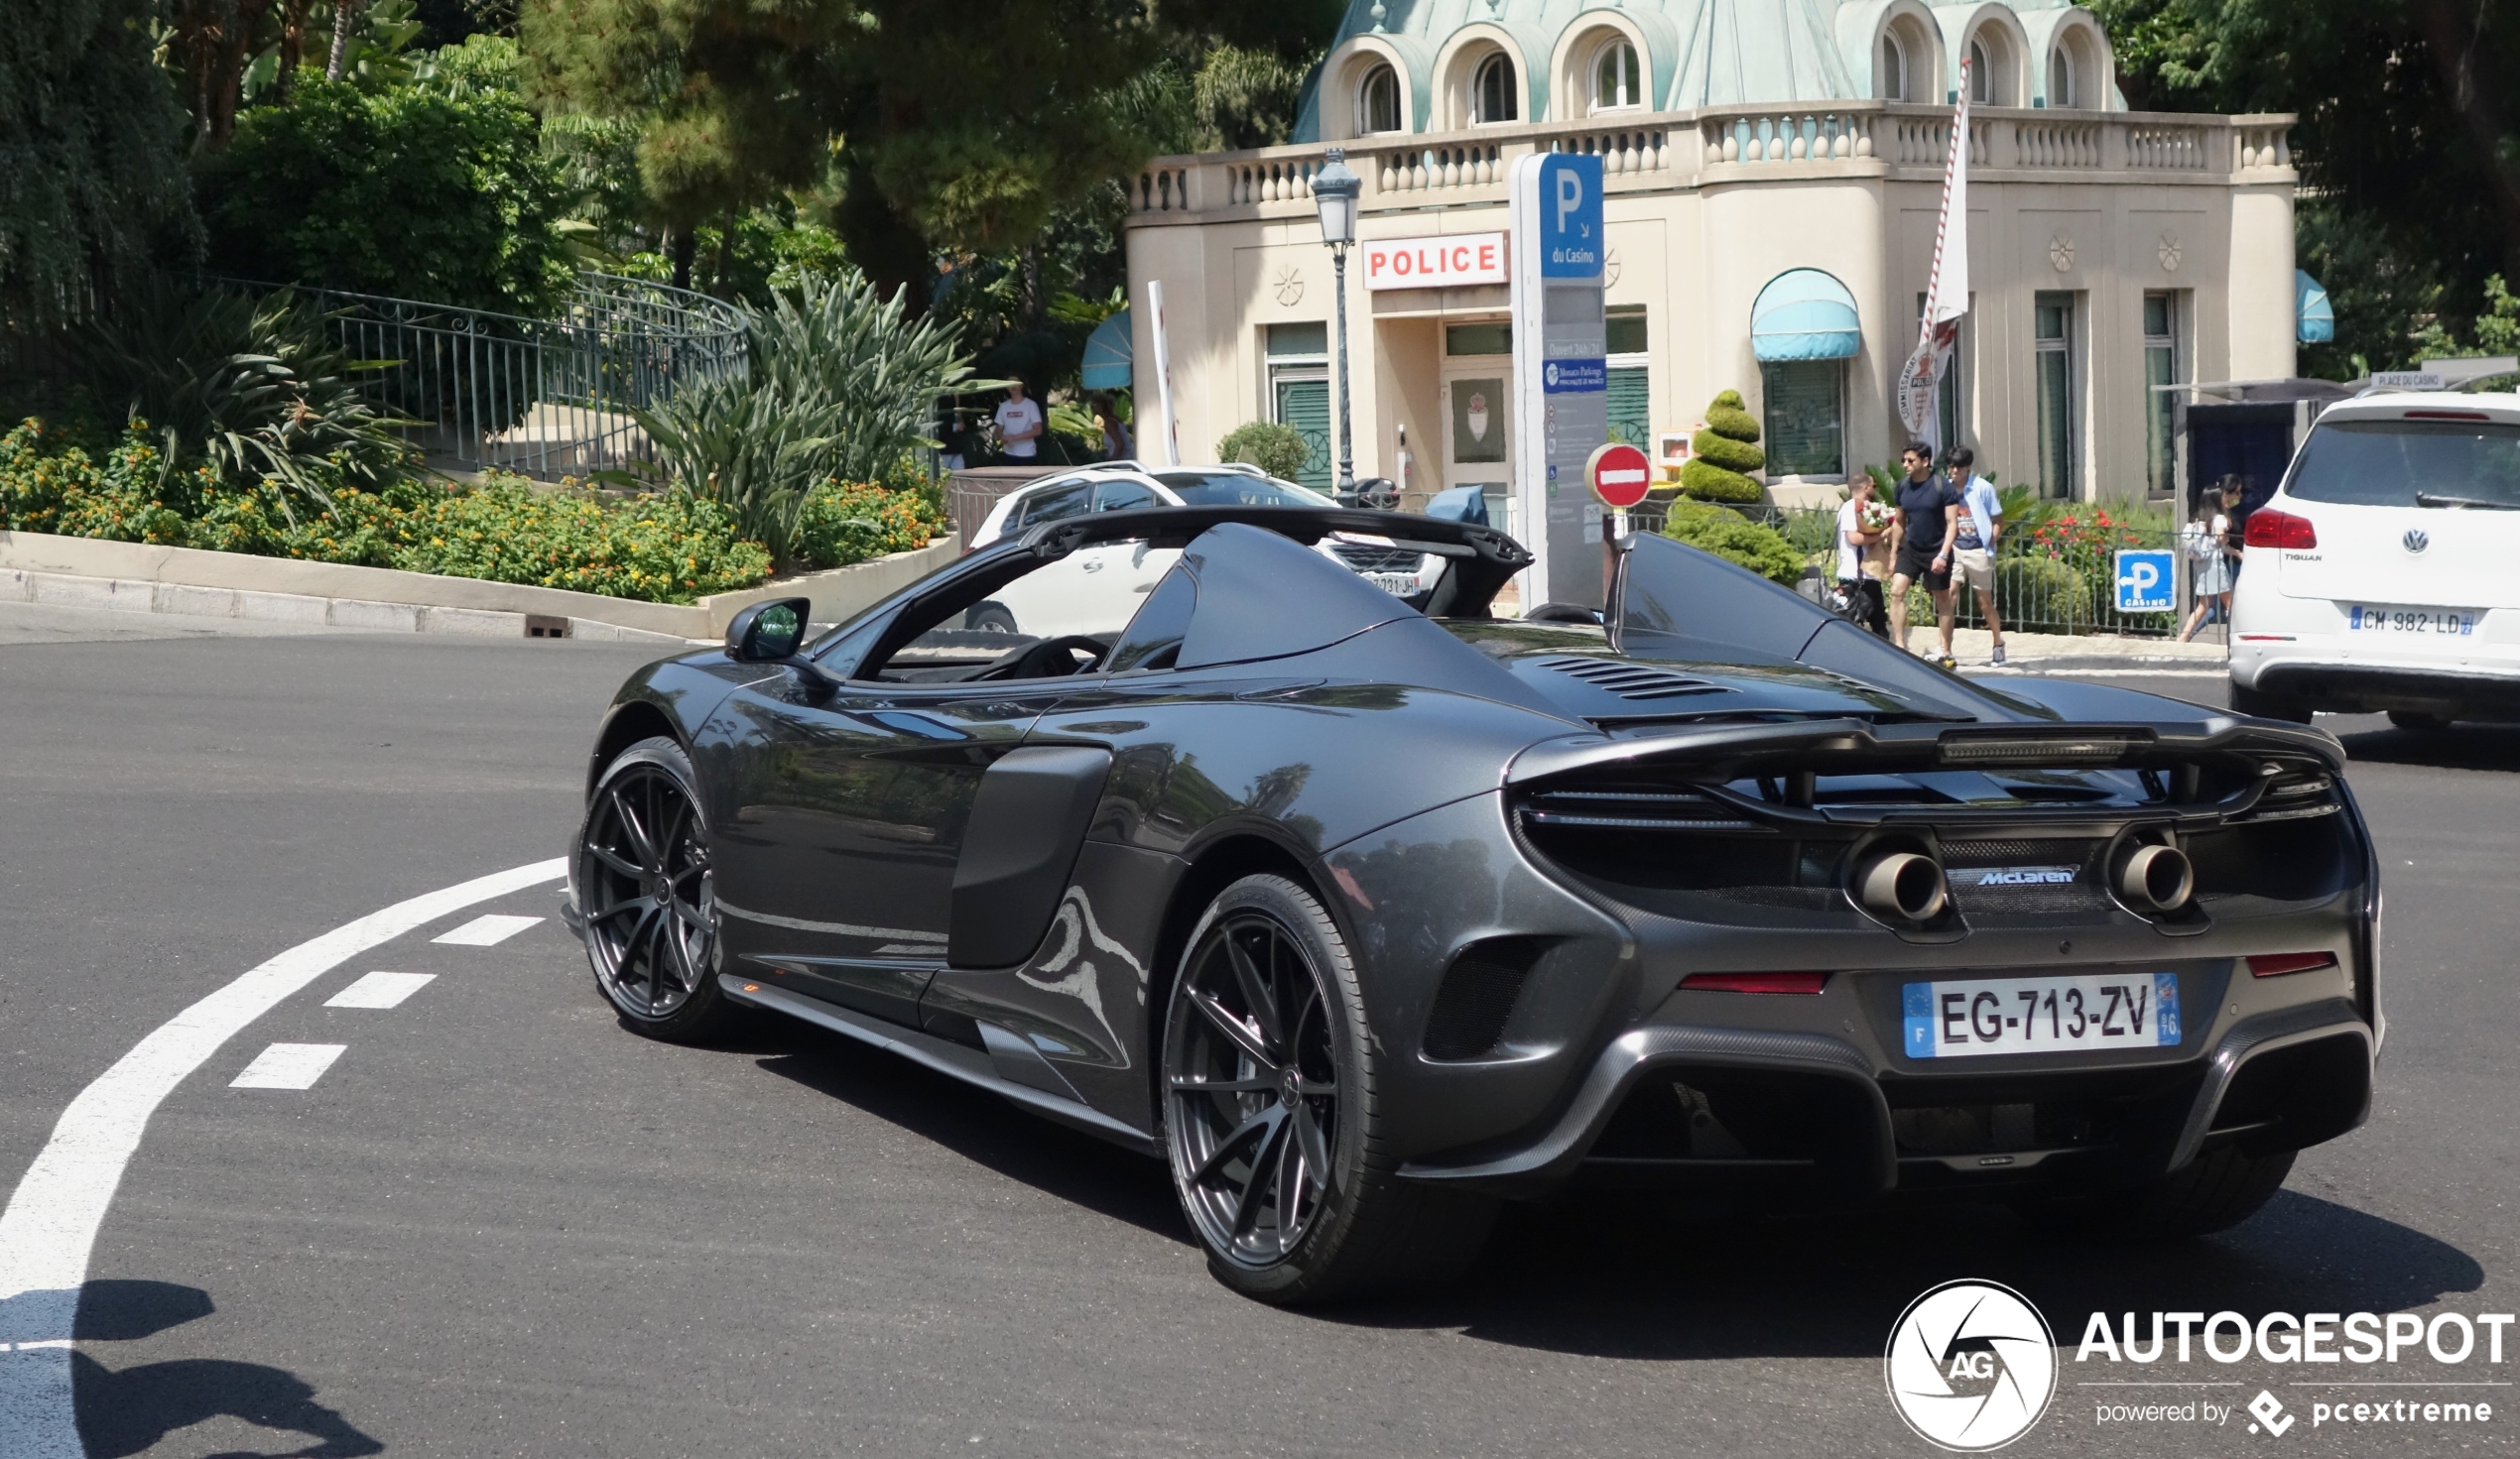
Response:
column 543, row 397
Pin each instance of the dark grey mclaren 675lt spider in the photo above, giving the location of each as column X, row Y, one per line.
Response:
column 1369, row 912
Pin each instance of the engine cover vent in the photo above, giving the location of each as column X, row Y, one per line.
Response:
column 1636, row 682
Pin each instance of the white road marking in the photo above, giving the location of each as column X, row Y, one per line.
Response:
column 379, row 990
column 50, row 1227
column 288, row 1066
column 486, row 931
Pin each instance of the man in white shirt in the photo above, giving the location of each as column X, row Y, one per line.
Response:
column 1018, row 424
column 1973, row 551
column 1857, row 578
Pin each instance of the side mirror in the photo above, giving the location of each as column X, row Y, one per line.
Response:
column 766, row 633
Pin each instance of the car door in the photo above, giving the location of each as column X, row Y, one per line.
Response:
column 842, row 825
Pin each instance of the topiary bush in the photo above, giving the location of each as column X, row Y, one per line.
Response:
column 1723, row 453
column 1736, row 539
column 1274, row 448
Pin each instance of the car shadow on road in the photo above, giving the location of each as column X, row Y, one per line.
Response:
column 2459, row 747
column 1639, row 1279
column 978, row 1126
column 129, row 1411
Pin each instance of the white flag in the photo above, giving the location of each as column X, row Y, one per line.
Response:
column 1947, row 295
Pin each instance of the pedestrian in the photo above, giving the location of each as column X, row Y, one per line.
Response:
column 1019, row 425
column 1973, row 543
column 949, row 439
column 1116, row 446
column 2205, row 539
column 1927, row 508
column 1864, row 530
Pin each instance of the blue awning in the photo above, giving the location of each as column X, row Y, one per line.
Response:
column 1805, row 314
column 1107, row 354
column 2313, row 317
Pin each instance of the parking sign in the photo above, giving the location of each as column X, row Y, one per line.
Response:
column 2144, row 583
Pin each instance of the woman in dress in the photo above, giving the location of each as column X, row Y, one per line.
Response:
column 2205, row 540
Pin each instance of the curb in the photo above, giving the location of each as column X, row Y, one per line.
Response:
column 135, row 595
column 141, row 577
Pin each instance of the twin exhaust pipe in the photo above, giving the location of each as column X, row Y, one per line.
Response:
column 1908, row 887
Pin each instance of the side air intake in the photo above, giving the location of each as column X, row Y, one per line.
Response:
column 1477, row 995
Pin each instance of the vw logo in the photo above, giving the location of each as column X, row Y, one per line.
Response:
column 2416, row 540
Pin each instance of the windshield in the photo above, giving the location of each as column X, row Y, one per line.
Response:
column 1233, row 489
column 2411, row 463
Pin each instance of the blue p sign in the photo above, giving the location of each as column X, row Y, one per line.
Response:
column 1570, row 216
column 2144, row 583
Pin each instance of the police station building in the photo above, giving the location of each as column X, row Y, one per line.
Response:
column 1773, row 171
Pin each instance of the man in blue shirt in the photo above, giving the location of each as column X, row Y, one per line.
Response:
column 1974, row 530
column 1928, row 513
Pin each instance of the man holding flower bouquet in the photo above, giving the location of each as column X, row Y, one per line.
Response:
column 1866, row 530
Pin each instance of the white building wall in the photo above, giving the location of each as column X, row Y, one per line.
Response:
column 1693, row 237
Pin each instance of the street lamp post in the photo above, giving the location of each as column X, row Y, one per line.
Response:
column 1334, row 192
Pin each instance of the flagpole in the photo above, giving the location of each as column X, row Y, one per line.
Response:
column 1946, row 288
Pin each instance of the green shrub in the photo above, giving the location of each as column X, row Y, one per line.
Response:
column 251, row 388
column 1723, row 453
column 847, row 522
column 1274, row 448
column 2038, row 589
column 1731, row 536
column 669, row 548
column 413, row 190
column 839, row 388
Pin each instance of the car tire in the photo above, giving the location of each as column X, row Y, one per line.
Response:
column 1266, row 1001
column 988, row 618
column 2246, row 700
column 655, row 958
column 2214, row 1191
column 2411, row 719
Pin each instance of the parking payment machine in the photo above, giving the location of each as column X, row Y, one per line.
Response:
column 1562, row 380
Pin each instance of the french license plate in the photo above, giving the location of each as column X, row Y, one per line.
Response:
column 2442, row 622
column 2066, row 1015
column 1398, row 584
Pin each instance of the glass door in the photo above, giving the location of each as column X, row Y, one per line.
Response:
column 1478, row 411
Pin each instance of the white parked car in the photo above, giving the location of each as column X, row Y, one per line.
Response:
column 1043, row 608
column 2384, row 574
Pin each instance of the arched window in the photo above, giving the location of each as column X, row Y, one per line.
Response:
column 1492, row 89
column 1894, row 71
column 1981, row 74
column 2060, row 79
column 1378, row 102
column 1618, row 80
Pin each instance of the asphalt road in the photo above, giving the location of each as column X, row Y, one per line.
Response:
column 500, row 1225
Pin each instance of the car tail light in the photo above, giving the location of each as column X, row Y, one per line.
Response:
column 1754, row 982
column 2276, row 965
column 2447, row 416
column 2272, row 529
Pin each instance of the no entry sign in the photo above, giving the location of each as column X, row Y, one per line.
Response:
column 1619, row 474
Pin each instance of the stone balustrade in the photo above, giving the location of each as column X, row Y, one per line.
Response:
column 1648, row 152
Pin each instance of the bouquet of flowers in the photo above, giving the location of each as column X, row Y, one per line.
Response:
column 1874, row 515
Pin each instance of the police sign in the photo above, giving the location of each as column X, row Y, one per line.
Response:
column 2144, row 582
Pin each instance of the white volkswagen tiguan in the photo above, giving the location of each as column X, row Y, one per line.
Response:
column 2384, row 574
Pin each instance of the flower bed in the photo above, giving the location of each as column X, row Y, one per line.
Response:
column 667, row 548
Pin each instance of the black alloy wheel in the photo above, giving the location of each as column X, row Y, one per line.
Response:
column 1254, row 1090
column 645, row 890
column 1271, row 1120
